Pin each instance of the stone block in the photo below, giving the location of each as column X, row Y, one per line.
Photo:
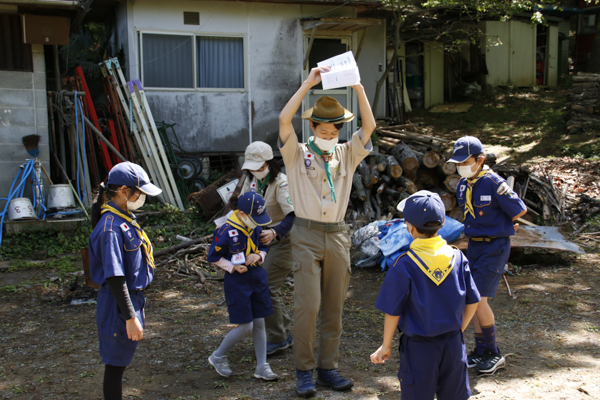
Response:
column 39, row 81
column 16, row 80
column 10, row 117
column 16, row 98
column 39, row 64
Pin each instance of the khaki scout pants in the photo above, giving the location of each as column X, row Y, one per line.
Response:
column 321, row 276
column 278, row 265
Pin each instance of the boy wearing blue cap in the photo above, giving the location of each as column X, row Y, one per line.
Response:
column 490, row 207
column 122, row 263
column 237, row 249
column 430, row 295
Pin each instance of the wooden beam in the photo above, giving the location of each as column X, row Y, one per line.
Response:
column 360, row 45
column 310, row 43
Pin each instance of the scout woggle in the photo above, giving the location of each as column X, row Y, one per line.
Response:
column 146, row 245
column 326, row 157
column 234, row 221
column 469, row 194
column 433, row 257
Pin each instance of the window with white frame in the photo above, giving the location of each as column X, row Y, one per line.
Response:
column 192, row 61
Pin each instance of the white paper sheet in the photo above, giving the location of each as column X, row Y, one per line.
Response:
column 344, row 71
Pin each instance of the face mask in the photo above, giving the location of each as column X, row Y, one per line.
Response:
column 249, row 223
column 325, row 145
column 262, row 174
column 134, row 205
column 465, row 171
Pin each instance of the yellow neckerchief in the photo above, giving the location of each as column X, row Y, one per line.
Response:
column 234, row 221
column 433, row 256
column 469, row 194
column 146, row 245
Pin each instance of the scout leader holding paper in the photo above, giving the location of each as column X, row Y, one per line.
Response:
column 320, row 176
column 490, row 207
column 121, row 261
column 269, row 182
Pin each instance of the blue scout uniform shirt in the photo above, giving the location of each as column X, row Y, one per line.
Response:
column 229, row 240
column 495, row 205
column 115, row 250
column 427, row 309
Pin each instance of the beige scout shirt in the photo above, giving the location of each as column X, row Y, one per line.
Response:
column 277, row 197
column 310, row 191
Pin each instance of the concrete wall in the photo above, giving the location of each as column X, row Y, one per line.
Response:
column 223, row 121
column 23, row 111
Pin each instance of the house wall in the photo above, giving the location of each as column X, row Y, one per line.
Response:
column 23, row 111
column 223, row 121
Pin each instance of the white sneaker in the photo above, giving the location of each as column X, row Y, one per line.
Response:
column 264, row 372
column 220, row 364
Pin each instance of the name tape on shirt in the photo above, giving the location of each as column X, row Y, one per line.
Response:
column 486, row 198
column 233, row 233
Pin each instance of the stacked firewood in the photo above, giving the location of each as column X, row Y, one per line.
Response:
column 407, row 161
column 584, row 103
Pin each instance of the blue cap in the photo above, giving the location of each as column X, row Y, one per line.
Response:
column 464, row 148
column 130, row 174
column 253, row 205
column 421, row 208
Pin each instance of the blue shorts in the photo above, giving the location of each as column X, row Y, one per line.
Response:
column 487, row 260
column 115, row 348
column 247, row 295
column 432, row 366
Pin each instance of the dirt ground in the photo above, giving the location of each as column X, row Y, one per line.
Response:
column 48, row 347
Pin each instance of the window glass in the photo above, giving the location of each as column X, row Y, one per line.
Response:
column 220, row 62
column 167, row 61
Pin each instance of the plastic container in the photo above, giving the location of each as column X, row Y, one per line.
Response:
column 60, row 197
column 20, row 208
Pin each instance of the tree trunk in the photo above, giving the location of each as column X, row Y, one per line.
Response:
column 457, row 214
column 380, row 162
column 406, row 157
column 448, row 199
column 427, row 178
column 407, row 184
column 451, row 182
column 374, row 176
column 394, row 169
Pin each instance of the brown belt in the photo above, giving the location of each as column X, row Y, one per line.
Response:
column 322, row 226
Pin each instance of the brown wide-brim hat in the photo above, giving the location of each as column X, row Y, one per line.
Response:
column 327, row 110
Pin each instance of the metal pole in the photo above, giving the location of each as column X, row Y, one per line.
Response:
column 105, row 140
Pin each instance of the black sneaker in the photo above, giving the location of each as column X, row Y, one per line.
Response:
column 474, row 358
column 491, row 362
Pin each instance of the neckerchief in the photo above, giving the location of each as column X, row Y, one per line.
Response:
column 469, row 194
column 262, row 185
column 146, row 245
column 326, row 157
column 234, row 221
column 433, row 256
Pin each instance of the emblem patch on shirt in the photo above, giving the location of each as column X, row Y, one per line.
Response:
column 217, row 248
column 283, row 185
column 124, row 227
column 463, row 187
column 307, row 162
column 503, row 188
column 235, row 239
column 308, row 157
column 233, row 233
column 253, row 186
column 289, row 200
column 480, row 213
column 486, row 198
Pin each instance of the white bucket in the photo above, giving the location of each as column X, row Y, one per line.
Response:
column 20, row 208
column 60, row 196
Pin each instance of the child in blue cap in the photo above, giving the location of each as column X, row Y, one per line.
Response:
column 430, row 295
column 121, row 262
column 237, row 249
column 490, row 207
